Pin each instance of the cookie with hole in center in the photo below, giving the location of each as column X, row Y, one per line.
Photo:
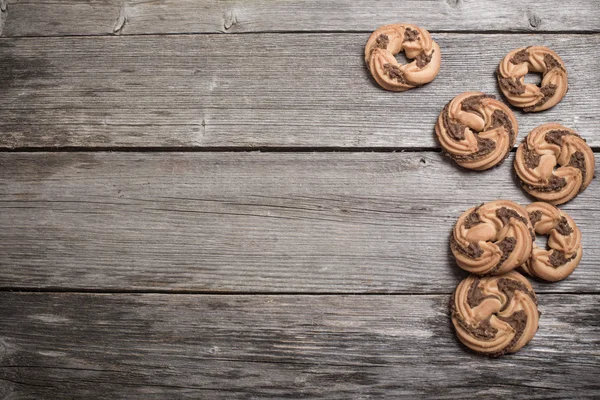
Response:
column 564, row 243
column 417, row 45
column 537, row 59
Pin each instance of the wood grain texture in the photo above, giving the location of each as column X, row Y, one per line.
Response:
column 250, row 347
column 251, row 222
column 101, row 17
column 268, row 90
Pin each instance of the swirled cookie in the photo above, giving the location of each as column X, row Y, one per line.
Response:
column 530, row 97
column 564, row 240
column 389, row 40
column 492, row 238
column 476, row 130
column 549, row 146
column 495, row 315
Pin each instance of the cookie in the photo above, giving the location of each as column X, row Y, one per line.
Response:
column 550, row 146
column 493, row 238
column 476, row 130
column 530, row 97
column 564, row 241
column 389, row 40
column 495, row 315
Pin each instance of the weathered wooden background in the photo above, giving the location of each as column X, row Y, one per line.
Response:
column 212, row 199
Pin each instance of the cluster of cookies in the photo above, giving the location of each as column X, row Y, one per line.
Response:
column 495, row 309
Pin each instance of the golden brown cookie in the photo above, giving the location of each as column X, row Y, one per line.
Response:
column 550, row 146
column 492, row 238
column 495, row 315
column 476, row 130
column 389, row 40
column 564, row 240
column 530, row 97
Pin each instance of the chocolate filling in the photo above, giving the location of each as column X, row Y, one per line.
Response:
column 555, row 184
column 476, row 296
column 551, row 62
column 395, row 73
column 472, row 250
column 484, row 147
column 382, row 42
column 512, row 85
column 520, row 57
column 473, row 103
column 506, row 246
column 558, row 258
column 499, row 118
column 410, row 35
column 455, row 129
column 563, row 227
column 423, row 59
column 472, row 219
column 518, row 321
column 483, row 331
column 505, row 214
column 555, row 136
column 510, row 286
column 531, row 158
column 548, row 91
column 535, row 217
column 578, row 161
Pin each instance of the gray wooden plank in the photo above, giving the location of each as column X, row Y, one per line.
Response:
column 248, row 347
column 72, row 17
column 267, row 90
column 251, row 222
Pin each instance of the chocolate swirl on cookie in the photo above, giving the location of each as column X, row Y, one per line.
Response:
column 492, row 238
column 518, row 63
column 564, row 242
column 554, row 163
column 389, row 40
column 476, row 130
column 495, row 315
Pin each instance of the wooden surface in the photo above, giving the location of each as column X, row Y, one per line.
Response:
column 156, row 346
column 148, row 250
column 101, row 17
column 251, row 222
column 266, row 90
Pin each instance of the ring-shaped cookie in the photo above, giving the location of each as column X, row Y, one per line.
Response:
column 493, row 238
column 389, row 40
column 495, row 315
column 531, row 98
column 554, row 163
column 476, row 130
column 564, row 241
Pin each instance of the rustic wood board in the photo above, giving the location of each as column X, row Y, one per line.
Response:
column 73, row 17
column 183, row 266
column 264, row 90
column 247, row 347
column 251, row 222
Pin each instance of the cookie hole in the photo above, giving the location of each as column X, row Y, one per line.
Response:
column 401, row 58
column 541, row 241
column 533, row 78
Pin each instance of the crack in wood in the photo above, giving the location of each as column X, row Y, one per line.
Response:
column 122, row 19
column 3, row 15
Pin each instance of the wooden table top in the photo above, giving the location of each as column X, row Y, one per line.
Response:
column 212, row 199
